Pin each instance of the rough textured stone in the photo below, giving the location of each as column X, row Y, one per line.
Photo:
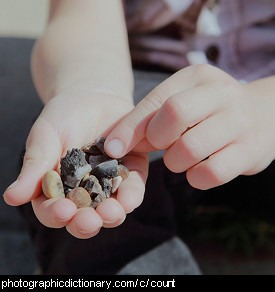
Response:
column 106, row 184
column 80, row 197
column 99, row 142
column 52, row 185
column 96, row 148
column 74, row 167
column 92, row 186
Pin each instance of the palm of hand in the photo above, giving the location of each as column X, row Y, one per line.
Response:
column 61, row 126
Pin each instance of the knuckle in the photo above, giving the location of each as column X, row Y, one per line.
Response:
column 190, row 147
column 200, row 71
column 171, row 109
column 216, row 172
column 179, row 110
column 152, row 101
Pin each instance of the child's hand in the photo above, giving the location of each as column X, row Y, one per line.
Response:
column 72, row 120
column 212, row 126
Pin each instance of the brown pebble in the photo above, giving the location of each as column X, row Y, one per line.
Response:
column 122, row 171
column 80, row 197
column 52, row 185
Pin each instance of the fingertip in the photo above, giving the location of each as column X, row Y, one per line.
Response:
column 64, row 210
column 133, row 199
column 10, row 198
column 114, row 147
column 110, row 211
column 85, row 224
column 16, row 194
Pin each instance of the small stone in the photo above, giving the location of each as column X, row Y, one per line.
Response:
column 94, row 160
column 52, row 185
column 106, row 184
column 99, row 142
column 98, row 199
column 116, row 181
column 74, row 167
column 122, row 171
column 91, row 149
column 80, row 197
column 96, row 148
column 107, row 169
column 67, row 189
column 92, row 186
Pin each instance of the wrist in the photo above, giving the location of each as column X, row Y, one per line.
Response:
column 102, row 71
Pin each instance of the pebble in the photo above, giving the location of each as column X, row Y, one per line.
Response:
column 94, row 160
column 99, row 142
column 116, row 181
column 122, row 171
column 88, row 176
column 106, row 184
column 95, row 148
column 92, row 186
column 52, row 185
column 80, row 197
column 98, row 199
column 74, row 167
column 107, row 169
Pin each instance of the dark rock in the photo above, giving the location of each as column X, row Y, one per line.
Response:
column 95, row 148
column 92, row 186
column 106, row 185
column 107, row 169
column 98, row 199
column 74, row 167
column 94, row 160
column 99, row 142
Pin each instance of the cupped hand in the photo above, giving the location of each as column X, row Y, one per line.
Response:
column 211, row 126
column 71, row 120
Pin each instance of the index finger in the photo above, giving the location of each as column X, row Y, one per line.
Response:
column 132, row 129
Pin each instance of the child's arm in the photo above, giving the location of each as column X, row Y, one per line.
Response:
column 212, row 126
column 81, row 68
column 83, row 38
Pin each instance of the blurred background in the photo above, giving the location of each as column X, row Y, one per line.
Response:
column 23, row 18
column 21, row 22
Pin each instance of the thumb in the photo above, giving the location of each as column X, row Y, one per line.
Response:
column 43, row 150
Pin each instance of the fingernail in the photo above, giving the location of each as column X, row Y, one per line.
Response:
column 13, row 185
column 115, row 148
column 62, row 220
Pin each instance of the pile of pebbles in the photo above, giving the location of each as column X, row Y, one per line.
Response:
column 87, row 176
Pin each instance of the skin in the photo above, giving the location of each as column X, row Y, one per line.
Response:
column 212, row 127
column 82, row 71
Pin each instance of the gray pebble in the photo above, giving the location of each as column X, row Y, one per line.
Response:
column 92, row 186
column 107, row 169
column 94, row 160
column 106, row 185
